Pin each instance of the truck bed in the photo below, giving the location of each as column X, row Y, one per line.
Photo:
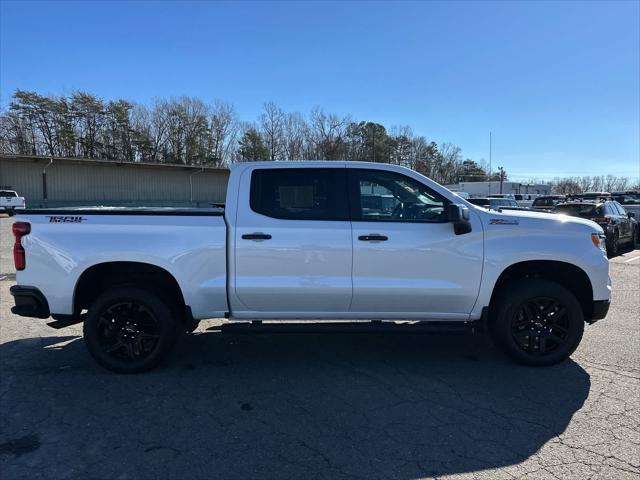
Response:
column 190, row 244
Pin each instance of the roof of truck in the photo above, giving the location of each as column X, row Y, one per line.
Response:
column 311, row 163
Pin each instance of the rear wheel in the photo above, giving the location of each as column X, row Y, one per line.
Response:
column 537, row 322
column 129, row 330
column 613, row 245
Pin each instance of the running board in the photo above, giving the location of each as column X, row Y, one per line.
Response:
column 347, row 327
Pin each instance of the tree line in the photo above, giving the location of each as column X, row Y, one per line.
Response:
column 598, row 183
column 189, row 131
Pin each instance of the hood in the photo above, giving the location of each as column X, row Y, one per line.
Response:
column 530, row 218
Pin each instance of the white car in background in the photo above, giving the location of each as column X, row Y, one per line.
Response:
column 10, row 201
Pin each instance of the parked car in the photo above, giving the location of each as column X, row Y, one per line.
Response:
column 547, row 202
column 502, row 195
column 592, row 195
column 293, row 243
column 525, row 199
column 10, row 201
column 619, row 226
column 495, row 203
column 464, row 195
column 630, row 200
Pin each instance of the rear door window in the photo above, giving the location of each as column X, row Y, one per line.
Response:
column 620, row 208
column 610, row 209
column 300, row 193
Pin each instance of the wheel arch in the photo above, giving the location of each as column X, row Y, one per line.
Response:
column 566, row 274
column 98, row 277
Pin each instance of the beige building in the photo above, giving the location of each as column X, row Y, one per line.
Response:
column 56, row 182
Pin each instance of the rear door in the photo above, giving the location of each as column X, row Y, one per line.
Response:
column 407, row 260
column 293, row 249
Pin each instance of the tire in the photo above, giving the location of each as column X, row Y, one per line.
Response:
column 613, row 245
column 10, row 212
column 130, row 330
column 537, row 322
column 635, row 242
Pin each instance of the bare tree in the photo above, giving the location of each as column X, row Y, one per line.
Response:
column 224, row 126
column 296, row 132
column 327, row 132
column 272, row 124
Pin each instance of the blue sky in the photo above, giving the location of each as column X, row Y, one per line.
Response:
column 558, row 84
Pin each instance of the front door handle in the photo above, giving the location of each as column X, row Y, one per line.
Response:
column 373, row 237
column 256, row 236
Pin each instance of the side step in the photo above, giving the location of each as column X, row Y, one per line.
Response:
column 347, row 327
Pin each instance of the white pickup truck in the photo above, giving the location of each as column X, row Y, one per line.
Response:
column 303, row 241
column 10, row 201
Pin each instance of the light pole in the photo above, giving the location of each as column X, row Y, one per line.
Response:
column 490, row 173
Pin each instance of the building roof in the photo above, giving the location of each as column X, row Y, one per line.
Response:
column 93, row 161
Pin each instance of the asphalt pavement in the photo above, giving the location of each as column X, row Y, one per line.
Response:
column 326, row 406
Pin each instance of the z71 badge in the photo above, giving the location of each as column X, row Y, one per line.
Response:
column 66, row 219
column 503, row 221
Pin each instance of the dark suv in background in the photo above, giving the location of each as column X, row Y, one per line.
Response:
column 619, row 226
column 547, row 202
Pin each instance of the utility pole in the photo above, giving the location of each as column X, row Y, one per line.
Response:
column 490, row 176
column 45, row 194
column 373, row 140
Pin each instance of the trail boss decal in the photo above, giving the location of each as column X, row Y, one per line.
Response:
column 66, row 219
column 503, row 221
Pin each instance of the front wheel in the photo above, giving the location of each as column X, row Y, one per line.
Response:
column 537, row 322
column 129, row 330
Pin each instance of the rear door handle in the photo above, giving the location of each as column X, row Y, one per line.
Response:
column 374, row 237
column 256, row 236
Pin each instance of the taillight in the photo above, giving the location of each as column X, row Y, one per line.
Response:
column 20, row 229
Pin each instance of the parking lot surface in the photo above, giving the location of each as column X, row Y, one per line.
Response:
column 321, row 405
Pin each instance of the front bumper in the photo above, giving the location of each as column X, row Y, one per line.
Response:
column 600, row 309
column 30, row 302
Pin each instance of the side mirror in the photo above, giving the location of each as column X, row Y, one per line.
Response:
column 459, row 216
column 631, row 214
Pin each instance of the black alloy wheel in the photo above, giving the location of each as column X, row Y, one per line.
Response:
column 536, row 321
column 130, row 330
column 540, row 325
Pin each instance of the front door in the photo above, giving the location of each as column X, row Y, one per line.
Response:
column 407, row 260
column 293, row 244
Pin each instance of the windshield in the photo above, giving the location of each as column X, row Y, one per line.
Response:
column 584, row 210
column 546, row 202
column 8, row 193
column 503, row 202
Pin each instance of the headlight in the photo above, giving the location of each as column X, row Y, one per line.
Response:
column 599, row 241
